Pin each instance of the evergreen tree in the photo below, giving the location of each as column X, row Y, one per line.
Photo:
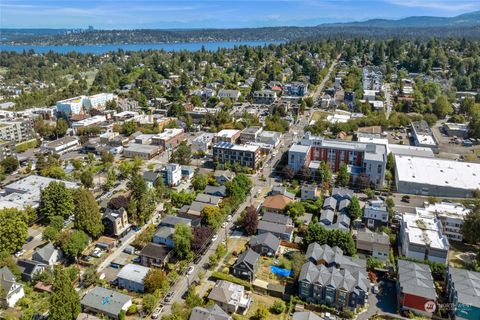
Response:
column 87, row 213
column 182, row 239
column 64, row 300
column 343, row 176
column 56, row 200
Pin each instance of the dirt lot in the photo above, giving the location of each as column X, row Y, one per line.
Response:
column 260, row 300
column 458, row 254
column 451, row 150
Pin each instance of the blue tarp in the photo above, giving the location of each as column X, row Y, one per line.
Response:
column 281, row 272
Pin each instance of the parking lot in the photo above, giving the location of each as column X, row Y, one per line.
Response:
column 451, row 150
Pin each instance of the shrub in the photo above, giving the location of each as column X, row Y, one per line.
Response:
column 278, row 307
column 132, row 309
column 227, row 277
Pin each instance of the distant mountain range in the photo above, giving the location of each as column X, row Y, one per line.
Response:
column 467, row 19
column 465, row 25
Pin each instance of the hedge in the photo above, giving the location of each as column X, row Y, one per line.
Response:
column 223, row 276
column 24, row 146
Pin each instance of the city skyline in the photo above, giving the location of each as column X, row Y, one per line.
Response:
column 215, row 14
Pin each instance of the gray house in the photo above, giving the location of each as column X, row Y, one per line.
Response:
column 105, row 301
column 330, row 203
column 48, row 254
column 265, row 244
column 246, row 265
column 131, row 277
column 220, row 191
column 213, row 312
column 326, row 216
column 164, row 235
column 30, row 268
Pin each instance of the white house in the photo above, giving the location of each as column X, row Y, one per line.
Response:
column 12, row 290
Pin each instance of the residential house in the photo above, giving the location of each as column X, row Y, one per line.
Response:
column 376, row 244
column 172, row 221
column 330, row 278
column 12, row 291
column 283, row 191
column 231, row 297
column 275, row 204
column 375, row 214
column 223, row 176
column 340, row 194
column 164, row 236
column 330, row 203
column 208, row 199
column 421, row 238
column 47, row 254
column 220, row 191
column 213, row 312
column 115, row 222
column 265, row 244
column 415, row 288
column 309, row 192
column 155, row 255
column 172, row 174
column 231, row 94
column 279, row 225
column 151, row 177
column 105, row 301
column 463, row 291
column 326, row 217
column 306, row 315
column 131, row 277
column 30, row 268
column 246, row 265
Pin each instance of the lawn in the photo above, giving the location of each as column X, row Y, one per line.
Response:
column 260, row 300
column 319, row 115
column 234, row 244
column 455, row 251
column 90, row 76
column 264, row 272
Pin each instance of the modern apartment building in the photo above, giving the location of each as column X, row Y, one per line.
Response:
column 81, row 104
column 422, row 238
column 244, row 155
column 250, row 134
column 332, row 279
column 463, row 291
column 228, row 135
column 264, row 97
column 172, row 174
column 368, row 158
column 17, row 131
column 451, row 215
column 295, row 89
column 375, row 214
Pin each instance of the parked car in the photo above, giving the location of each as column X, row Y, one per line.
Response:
column 190, row 269
column 229, row 218
column 169, row 297
column 224, row 225
column 97, row 253
column 214, row 238
column 20, row 253
column 157, row 312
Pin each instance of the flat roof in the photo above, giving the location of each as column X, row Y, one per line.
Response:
column 227, row 133
column 133, row 272
column 424, row 230
column 438, row 172
column 403, row 150
column 169, row 133
column 237, row 147
column 146, row 148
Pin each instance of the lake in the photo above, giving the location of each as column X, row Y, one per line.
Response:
column 103, row 48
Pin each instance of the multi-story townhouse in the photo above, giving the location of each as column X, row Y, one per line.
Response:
column 264, row 96
column 296, row 89
column 375, row 214
column 463, row 291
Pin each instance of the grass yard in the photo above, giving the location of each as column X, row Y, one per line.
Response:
column 234, row 244
column 319, row 115
column 261, row 300
column 90, row 76
column 264, row 272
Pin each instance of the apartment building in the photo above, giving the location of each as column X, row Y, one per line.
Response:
column 202, row 142
column 295, row 89
column 264, row 97
column 250, row 134
column 463, row 292
column 172, row 174
column 375, row 214
column 372, row 79
column 244, row 155
column 368, row 158
column 81, row 104
column 228, row 135
column 422, row 238
column 17, row 130
column 451, row 216
column 61, row 146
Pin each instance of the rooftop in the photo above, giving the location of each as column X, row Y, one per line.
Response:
column 416, row 279
column 438, row 172
column 237, row 147
column 228, row 133
column 424, row 230
column 133, row 272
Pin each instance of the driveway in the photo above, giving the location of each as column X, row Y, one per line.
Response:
column 382, row 303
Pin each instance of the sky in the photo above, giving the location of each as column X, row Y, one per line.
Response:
column 130, row 14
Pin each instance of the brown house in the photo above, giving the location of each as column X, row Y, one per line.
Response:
column 377, row 244
column 155, row 255
column 276, row 203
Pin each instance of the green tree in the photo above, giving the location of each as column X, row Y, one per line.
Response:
column 142, row 202
column 156, row 279
column 13, row 230
column 64, row 300
column 149, row 302
column 442, row 107
column 90, row 276
column 199, row 181
column 325, row 173
column 86, row 178
column 183, row 154
column 55, row 200
column 354, row 209
column 278, row 307
column 343, row 176
column 182, row 239
column 10, row 164
column 212, row 217
column 471, row 226
column 73, row 242
column 87, row 213
column 261, row 313
column 129, row 128
column 61, row 127
column 295, row 209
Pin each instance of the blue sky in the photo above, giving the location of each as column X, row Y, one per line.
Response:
column 126, row 14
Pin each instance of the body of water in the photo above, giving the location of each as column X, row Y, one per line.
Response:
column 103, row 48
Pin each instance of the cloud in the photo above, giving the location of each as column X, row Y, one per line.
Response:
column 445, row 5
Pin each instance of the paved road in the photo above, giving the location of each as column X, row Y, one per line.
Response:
column 388, row 99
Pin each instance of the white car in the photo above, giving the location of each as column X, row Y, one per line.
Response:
column 229, row 218
column 190, row 269
column 97, row 253
column 215, row 237
column 20, row 253
column 224, row 225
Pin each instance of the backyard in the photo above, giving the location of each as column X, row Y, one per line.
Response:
column 261, row 300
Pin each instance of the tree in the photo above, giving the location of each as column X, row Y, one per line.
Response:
column 149, row 302
column 13, row 230
column 249, row 221
column 90, row 277
column 288, row 172
column 201, row 236
column 156, row 279
column 317, row 233
column 442, row 107
column 199, row 181
column 107, row 157
column 261, row 313
column 343, row 176
column 61, row 127
column 471, row 226
column 183, row 154
column 55, row 200
column 182, row 240
column 64, row 300
column 73, row 242
column 212, row 217
column 354, row 209
column 86, row 178
column 10, row 164
column 295, row 209
column 87, row 213
column 129, row 128
column 325, row 173
column 142, row 202
column 278, row 307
